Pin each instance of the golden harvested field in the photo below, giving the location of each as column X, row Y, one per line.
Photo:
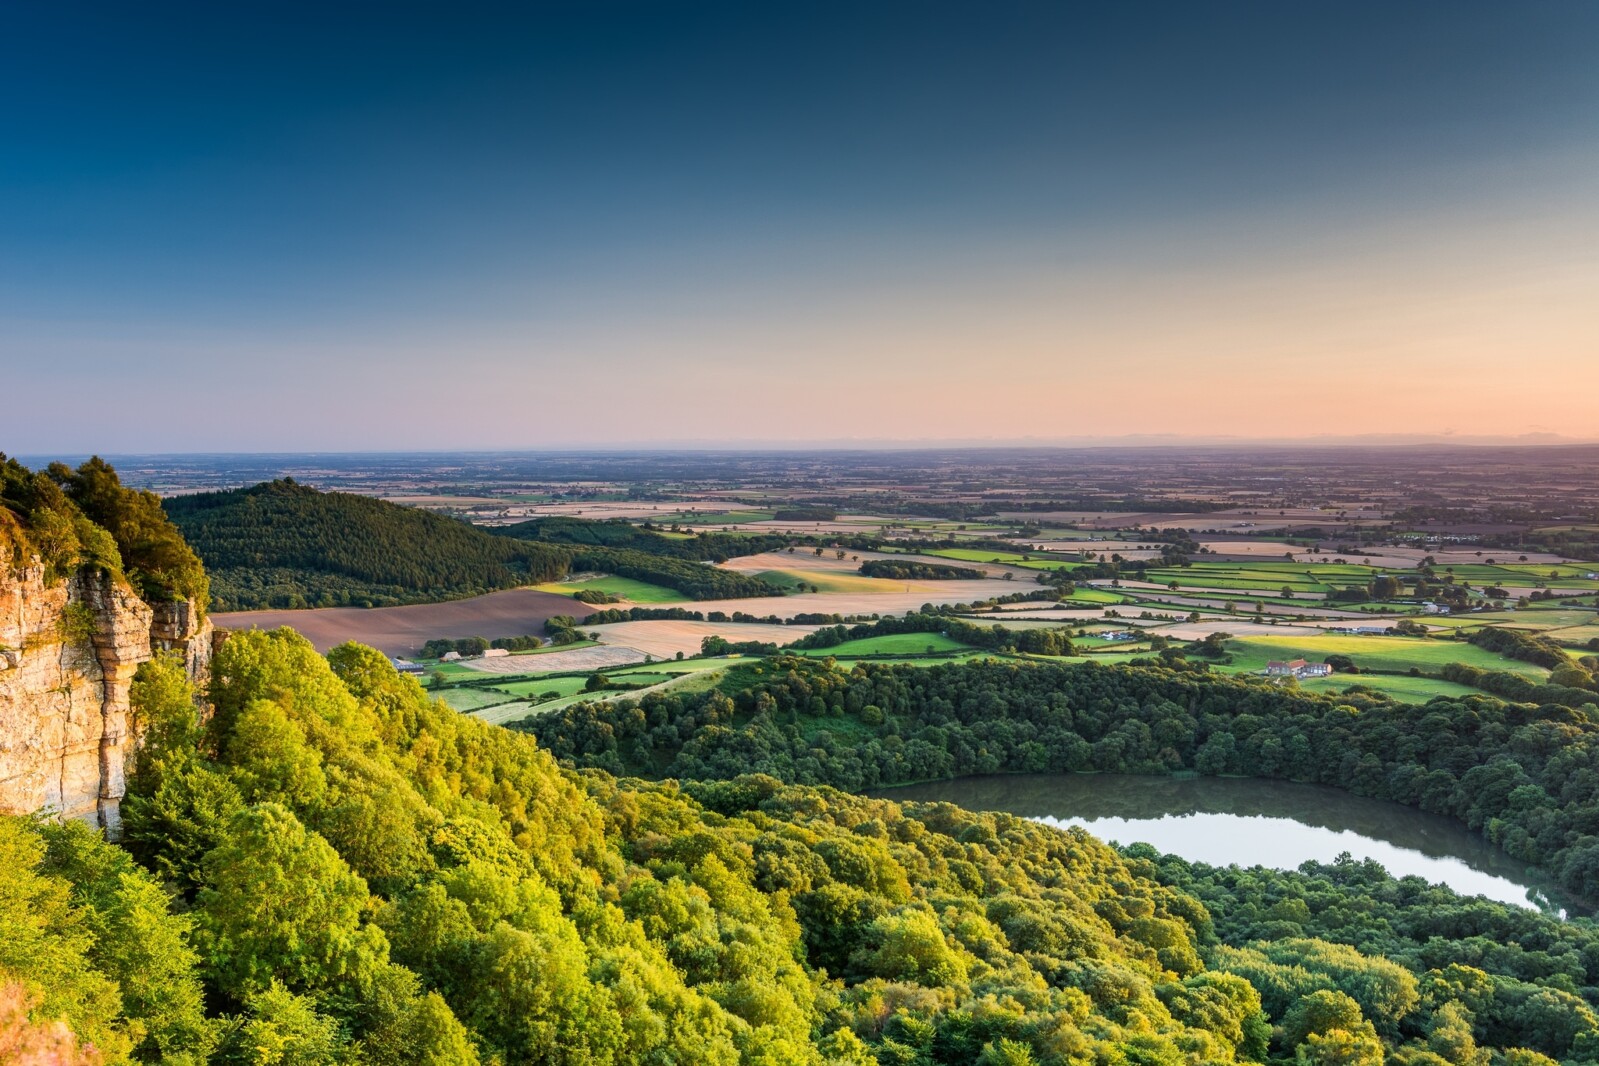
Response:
column 807, row 559
column 1398, row 558
column 554, row 661
column 832, row 581
column 664, row 639
column 797, row 560
column 845, row 524
column 1085, row 519
column 1206, row 626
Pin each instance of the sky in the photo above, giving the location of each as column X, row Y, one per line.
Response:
column 235, row 227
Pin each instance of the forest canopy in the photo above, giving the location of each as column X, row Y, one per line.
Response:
column 332, row 868
column 361, row 875
column 283, row 544
column 87, row 517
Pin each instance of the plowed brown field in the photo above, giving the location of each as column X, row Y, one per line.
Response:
column 403, row 630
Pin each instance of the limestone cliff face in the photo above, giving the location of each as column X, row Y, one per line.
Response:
column 68, row 652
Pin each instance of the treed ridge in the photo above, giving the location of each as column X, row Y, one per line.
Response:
column 1525, row 775
column 283, row 544
column 368, row 877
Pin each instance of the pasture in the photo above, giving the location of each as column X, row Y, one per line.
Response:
column 631, row 591
column 892, row 644
column 1398, row 654
column 979, row 555
column 1402, row 688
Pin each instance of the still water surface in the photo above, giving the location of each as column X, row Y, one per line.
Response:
column 1223, row 821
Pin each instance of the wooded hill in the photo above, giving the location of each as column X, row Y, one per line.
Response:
column 359, row 875
column 362, row 876
column 1526, row 776
column 283, row 544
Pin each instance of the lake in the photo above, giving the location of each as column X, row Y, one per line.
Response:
column 1249, row 822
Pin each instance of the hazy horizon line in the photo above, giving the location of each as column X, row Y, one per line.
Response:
column 1137, row 440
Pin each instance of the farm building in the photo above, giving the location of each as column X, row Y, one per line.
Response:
column 406, row 666
column 1297, row 668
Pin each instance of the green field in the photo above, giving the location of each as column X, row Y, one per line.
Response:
column 1092, row 642
column 977, row 555
column 1374, row 652
column 1299, row 575
column 1403, row 689
column 719, row 518
column 676, row 666
column 1096, row 596
column 625, row 587
column 563, row 686
column 470, row 699
column 1030, row 561
column 963, row 657
column 685, row 676
column 893, row 644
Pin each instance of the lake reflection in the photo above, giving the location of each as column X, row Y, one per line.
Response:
column 1225, row 821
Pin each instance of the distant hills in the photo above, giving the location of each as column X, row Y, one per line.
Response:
column 284, row 544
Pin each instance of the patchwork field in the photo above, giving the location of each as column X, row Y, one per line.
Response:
column 893, row 644
column 1374, row 652
column 1403, row 689
column 403, row 630
column 631, row 591
column 595, row 658
column 830, row 581
column 664, row 639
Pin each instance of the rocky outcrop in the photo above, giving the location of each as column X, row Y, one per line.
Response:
column 68, row 652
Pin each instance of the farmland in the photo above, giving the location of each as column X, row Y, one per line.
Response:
column 1381, row 653
column 625, row 589
column 403, row 630
column 1208, row 551
column 896, row 644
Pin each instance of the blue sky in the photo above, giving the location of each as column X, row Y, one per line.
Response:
column 392, row 226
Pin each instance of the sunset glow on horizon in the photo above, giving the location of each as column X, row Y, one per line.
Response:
column 562, row 227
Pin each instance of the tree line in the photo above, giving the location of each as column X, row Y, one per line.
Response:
column 1526, row 776
column 910, row 570
column 996, row 637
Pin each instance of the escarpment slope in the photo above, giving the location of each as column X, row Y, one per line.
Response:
column 78, row 614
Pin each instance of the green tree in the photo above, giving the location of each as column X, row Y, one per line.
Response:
column 138, row 943
column 46, row 944
column 284, row 1029
column 279, row 904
